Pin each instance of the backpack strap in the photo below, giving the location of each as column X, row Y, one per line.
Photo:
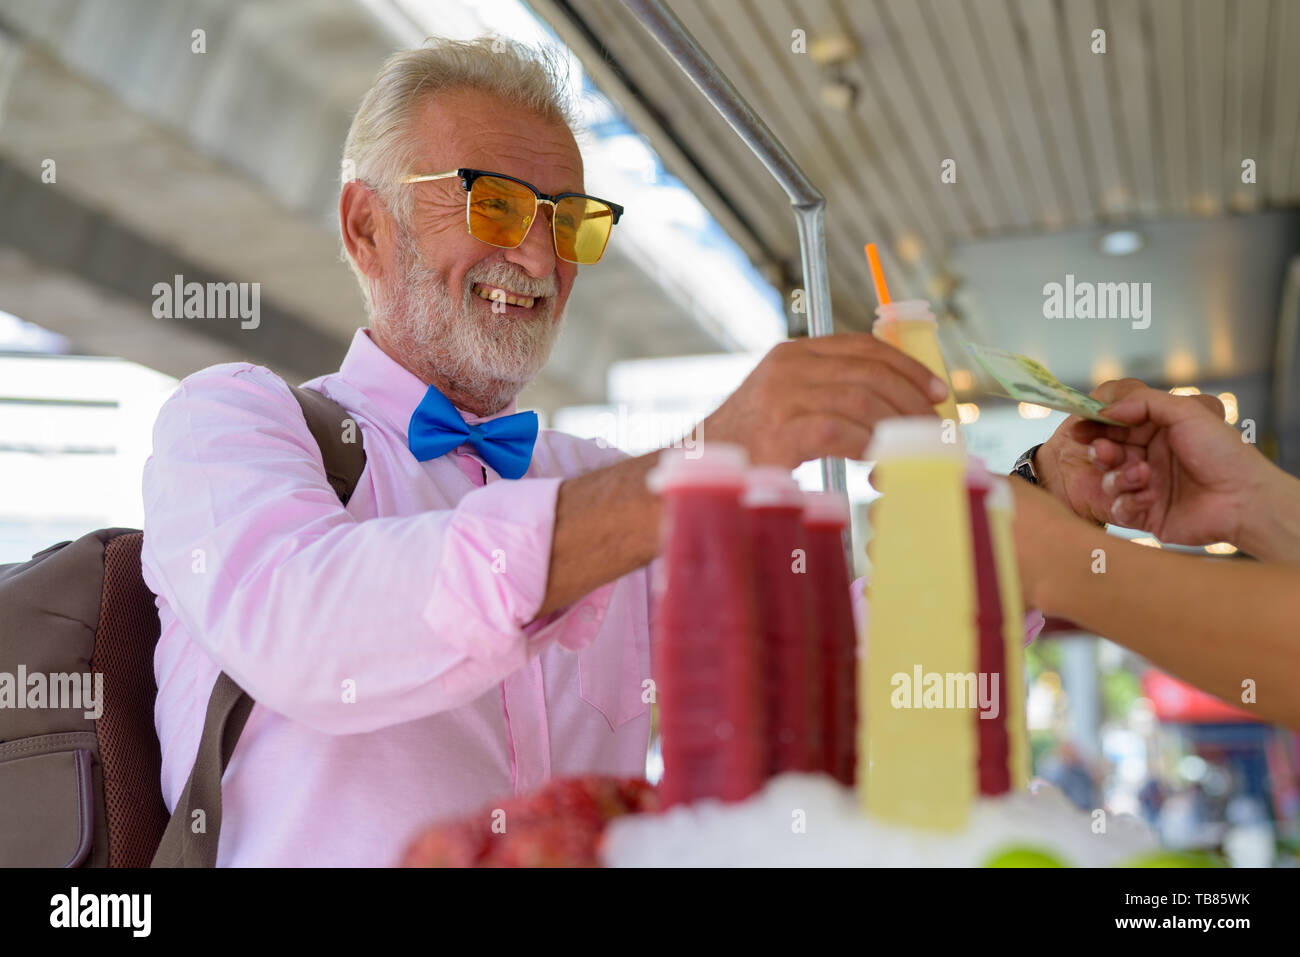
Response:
column 344, row 459
column 337, row 433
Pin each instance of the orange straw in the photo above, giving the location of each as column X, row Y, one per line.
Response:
column 877, row 274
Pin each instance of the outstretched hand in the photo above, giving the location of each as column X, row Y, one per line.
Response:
column 1176, row 469
column 1066, row 466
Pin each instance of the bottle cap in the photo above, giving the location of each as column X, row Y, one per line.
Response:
column 826, row 508
column 770, row 486
column 913, row 309
column 712, row 465
column 911, row 437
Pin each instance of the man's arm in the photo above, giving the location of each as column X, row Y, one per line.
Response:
column 606, row 525
column 298, row 601
column 807, row 399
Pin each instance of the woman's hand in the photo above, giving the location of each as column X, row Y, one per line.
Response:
column 1195, row 480
column 1065, row 465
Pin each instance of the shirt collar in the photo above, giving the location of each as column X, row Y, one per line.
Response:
column 392, row 387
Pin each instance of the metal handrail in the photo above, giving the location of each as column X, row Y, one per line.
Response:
column 809, row 204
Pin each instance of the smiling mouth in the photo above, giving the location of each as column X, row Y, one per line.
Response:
column 497, row 294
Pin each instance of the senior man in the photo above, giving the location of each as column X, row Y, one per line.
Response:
column 475, row 620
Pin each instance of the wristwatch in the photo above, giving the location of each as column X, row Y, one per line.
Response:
column 1024, row 466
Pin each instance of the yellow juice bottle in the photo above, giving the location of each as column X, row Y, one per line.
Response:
column 916, row 751
column 999, row 505
column 910, row 327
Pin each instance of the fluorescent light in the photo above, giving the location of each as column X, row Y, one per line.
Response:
column 1121, row 242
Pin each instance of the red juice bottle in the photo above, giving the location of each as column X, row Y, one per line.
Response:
column 774, row 508
column 707, row 666
column 992, row 749
column 826, row 516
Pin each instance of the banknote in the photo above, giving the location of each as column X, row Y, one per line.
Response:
column 1028, row 381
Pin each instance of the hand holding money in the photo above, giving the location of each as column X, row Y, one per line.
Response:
column 1199, row 482
column 1066, row 465
column 1028, row 381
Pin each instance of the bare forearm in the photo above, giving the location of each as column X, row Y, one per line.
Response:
column 606, row 525
column 1215, row 624
column 1271, row 531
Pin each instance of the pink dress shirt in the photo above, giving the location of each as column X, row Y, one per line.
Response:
column 389, row 645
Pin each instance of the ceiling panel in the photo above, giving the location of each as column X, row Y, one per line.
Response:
column 1168, row 39
column 1054, row 143
column 1206, row 40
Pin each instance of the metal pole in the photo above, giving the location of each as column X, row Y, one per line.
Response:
column 809, row 205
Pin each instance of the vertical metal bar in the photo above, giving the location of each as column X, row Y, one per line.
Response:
column 810, row 219
column 809, row 205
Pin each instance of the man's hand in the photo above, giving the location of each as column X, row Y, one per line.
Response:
column 1178, row 470
column 817, row 397
column 1065, row 467
column 807, row 399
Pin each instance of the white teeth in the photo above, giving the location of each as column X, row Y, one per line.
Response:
column 493, row 294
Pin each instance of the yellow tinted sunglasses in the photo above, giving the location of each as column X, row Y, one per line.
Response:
column 500, row 210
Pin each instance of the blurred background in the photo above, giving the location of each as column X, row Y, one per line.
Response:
column 990, row 147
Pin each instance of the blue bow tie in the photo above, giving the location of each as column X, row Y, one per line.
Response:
column 506, row 443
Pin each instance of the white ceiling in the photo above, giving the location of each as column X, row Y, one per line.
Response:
column 1052, row 142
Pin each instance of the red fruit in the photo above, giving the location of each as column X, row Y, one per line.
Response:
column 559, row 825
column 454, row 845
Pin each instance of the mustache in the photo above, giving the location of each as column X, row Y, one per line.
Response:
column 493, row 273
column 512, row 278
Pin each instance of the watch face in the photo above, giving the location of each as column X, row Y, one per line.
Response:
column 1025, row 467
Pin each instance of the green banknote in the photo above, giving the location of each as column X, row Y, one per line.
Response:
column 1027, row 381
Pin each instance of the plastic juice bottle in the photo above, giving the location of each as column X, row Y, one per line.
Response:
column 1013, row 623
column 916, row 757
column 707, row 663
column 990, row 718
column 826, row 515
column 774, row 506
column 911, row 327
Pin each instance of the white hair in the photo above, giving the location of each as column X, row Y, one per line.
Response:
column 379, row 148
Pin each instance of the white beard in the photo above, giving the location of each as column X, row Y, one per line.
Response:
column 487, row 359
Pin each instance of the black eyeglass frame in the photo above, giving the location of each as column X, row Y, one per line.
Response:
column 468, row 176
